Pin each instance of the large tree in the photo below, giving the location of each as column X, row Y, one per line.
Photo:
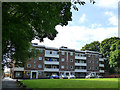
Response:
column 22, row 22
column 93, row 46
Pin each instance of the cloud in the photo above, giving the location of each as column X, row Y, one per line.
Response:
column 107, row 3
column 83, row 18
column 95, row 25
column 112, row 18
column 76, row 37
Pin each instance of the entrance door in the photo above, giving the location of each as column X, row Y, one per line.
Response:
column 33, row 74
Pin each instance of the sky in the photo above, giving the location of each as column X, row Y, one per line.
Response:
column 92, row 22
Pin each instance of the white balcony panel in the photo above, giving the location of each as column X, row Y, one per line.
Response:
column 101, row 71
column 79, row 57
column 101, row 59
column 101, row 65
column 80, row 70
column 18, row 69
column 51, row 55
column 80, row 64
column 51, row 62
column 51, row 69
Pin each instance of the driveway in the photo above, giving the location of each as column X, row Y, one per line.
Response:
column 8, row 83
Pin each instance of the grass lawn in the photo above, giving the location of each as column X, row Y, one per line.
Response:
column 72, row 83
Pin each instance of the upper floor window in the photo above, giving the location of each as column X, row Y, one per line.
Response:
column 96, row 56
column 96, row 68
column 92, row 68
column 28, row 65
column 62, row 59
column 47, row 51
column 71, row 60
column 71, row 53
column 40, row 58
column 63, row 53
column 89, row 68
column 71, row 67
column 89, row 61
column 96, row 61
column 41, row 51
column 39, row 66
column 62, row 67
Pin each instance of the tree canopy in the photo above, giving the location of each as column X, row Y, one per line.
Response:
column 24, row 21
column 93, row 46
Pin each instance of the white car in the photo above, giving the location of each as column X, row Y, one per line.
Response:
column 71, row 76
column 89, row 76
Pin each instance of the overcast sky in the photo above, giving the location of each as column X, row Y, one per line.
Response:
column 91, row 23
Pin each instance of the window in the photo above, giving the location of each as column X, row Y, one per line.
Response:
column 71, row 60
column 96, row 68
column 41, row 51
column 96, row 61
column 71, row 67
column 92, row 61
column 28, row 73
column 47, row 52
column 39, row 66
column 40, row 58
column 89, row 68
column 89, row 61
column 28, row 65
column 62, row 67
column 89, row 55
column 96, row 56
column 63, row 53
column 40, row 73
column 92, row 68
column 71, row 53
column 62, row 59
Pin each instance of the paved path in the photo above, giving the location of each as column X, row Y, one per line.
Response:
column 9, row 84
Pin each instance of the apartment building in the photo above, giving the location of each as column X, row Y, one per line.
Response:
column 62, row 61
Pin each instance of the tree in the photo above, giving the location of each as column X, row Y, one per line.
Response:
column 93, row 46
column 22, row 22
column 115, row 56
column 107, row 47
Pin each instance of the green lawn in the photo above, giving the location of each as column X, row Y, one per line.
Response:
column 72, row 83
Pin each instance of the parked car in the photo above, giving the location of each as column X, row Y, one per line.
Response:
column 54, row 76
column 90, row 76
column 71, row 76
column 99, row 76
column 64, row 77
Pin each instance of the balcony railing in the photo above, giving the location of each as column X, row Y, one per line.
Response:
column 51, row 62
column 79, row 57
column 80, row 70
column 101, row 65
column 101, row 59
column 18, row 69
column 51, row 69
column 101, row 71
column 52, row 55
column 80, row 64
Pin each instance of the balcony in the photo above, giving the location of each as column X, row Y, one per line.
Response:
column 18, row 69
column 80, row 64
column 52, row 55
column 101, row 65
column 51, row 62
column 101, row 71
column 51, row 69
column 80, row 70
column 79, row 57
column 101, row 59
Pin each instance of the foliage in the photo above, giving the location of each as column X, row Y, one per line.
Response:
column 22, row 22
column 93, row 46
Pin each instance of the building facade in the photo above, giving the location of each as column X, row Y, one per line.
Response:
column 62, row 61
